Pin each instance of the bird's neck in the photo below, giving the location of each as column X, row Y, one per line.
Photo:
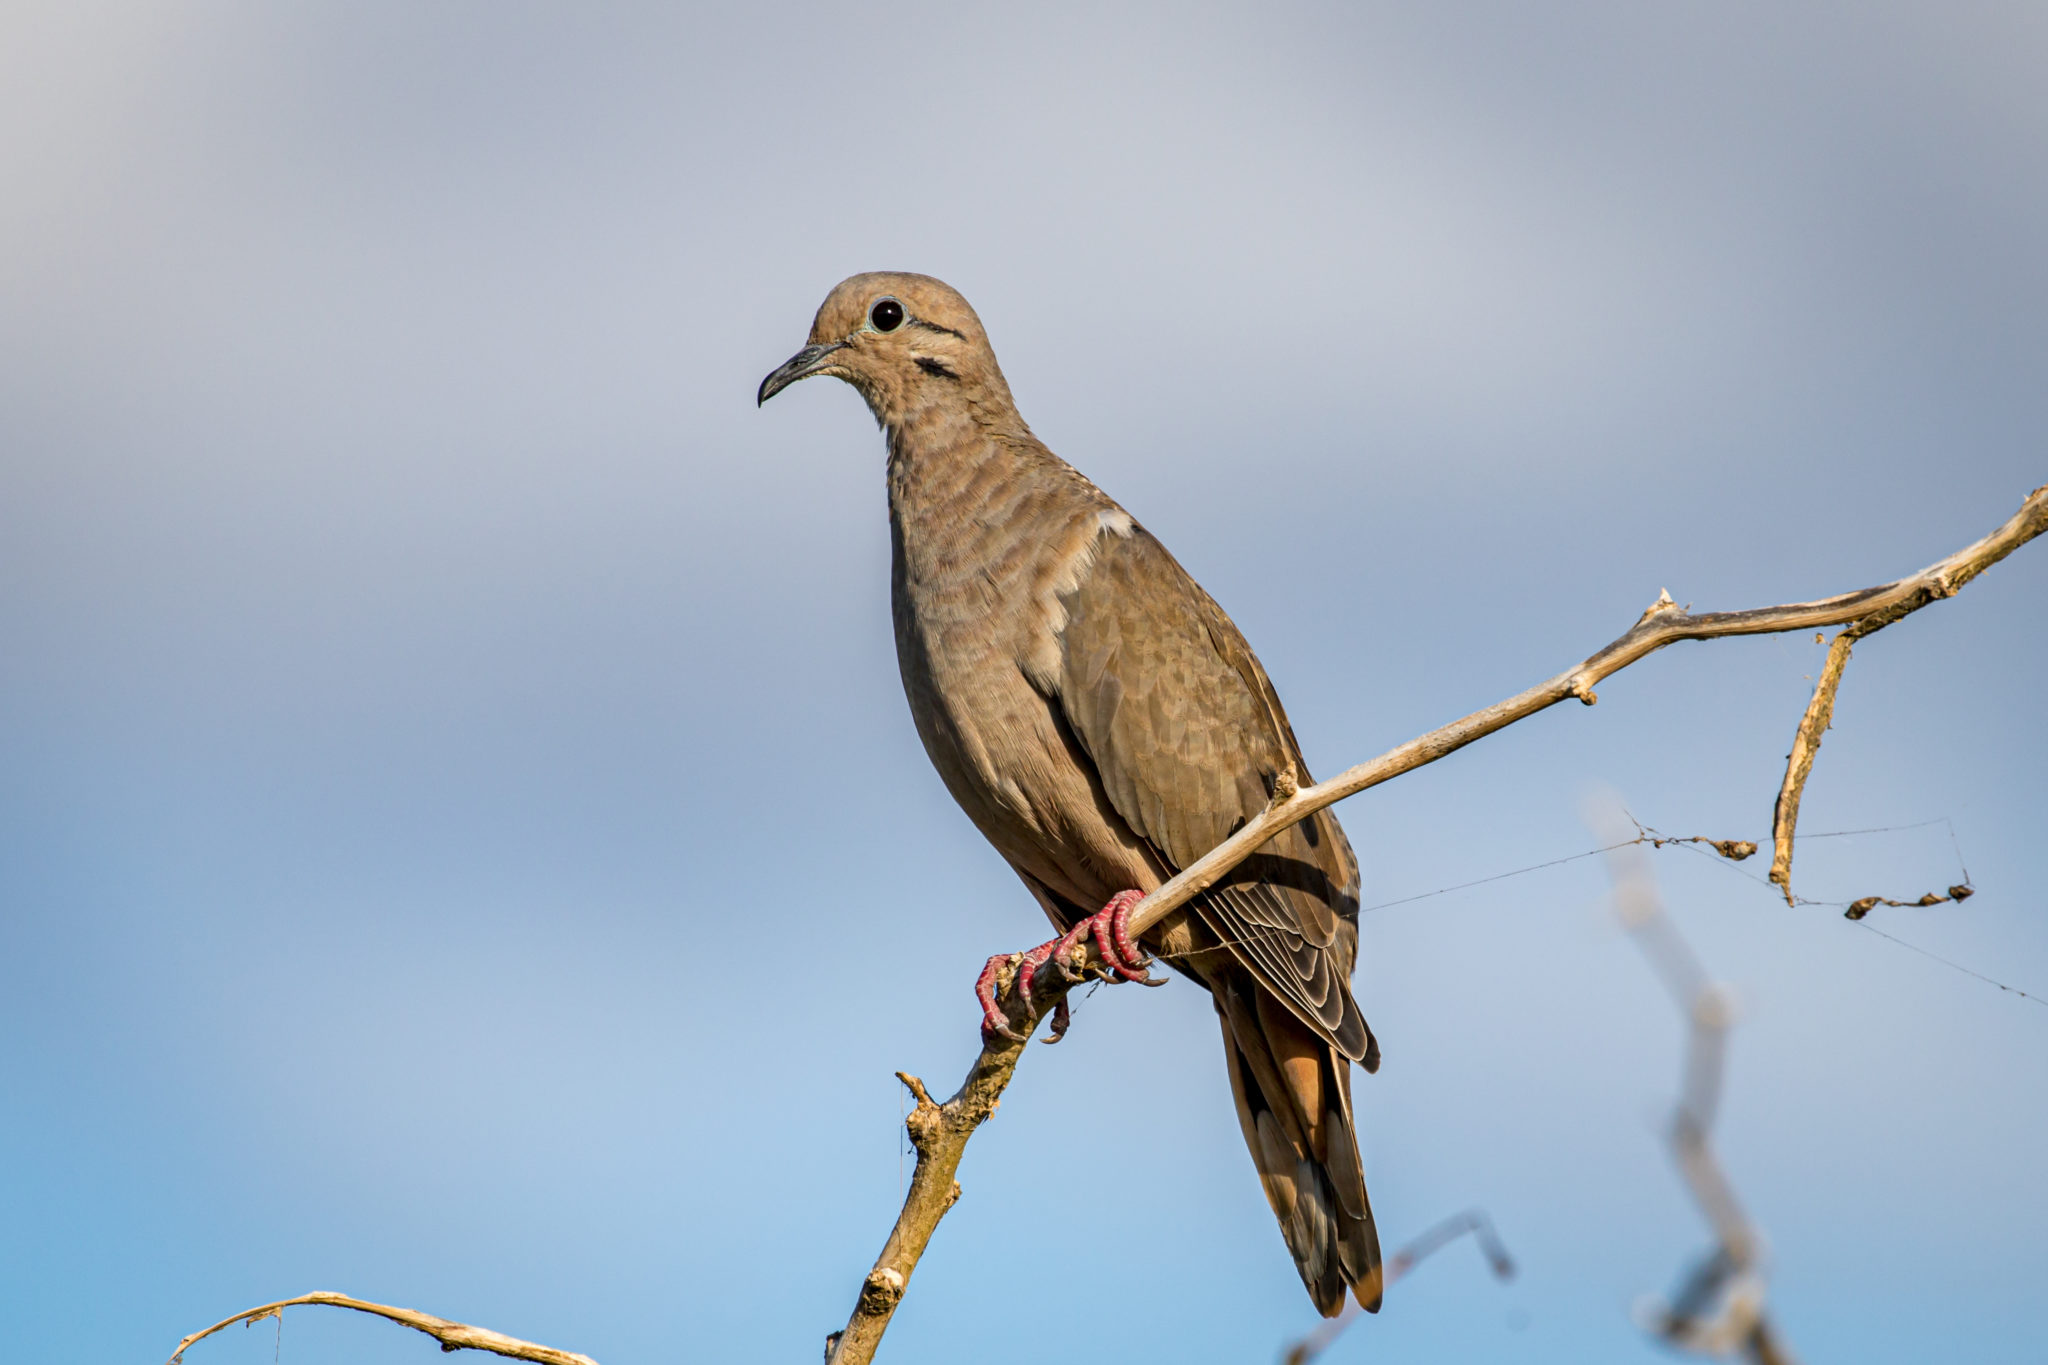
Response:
column 952, row 487
column 961, row 488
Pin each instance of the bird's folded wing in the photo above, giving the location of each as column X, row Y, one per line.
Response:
column 1188, row 737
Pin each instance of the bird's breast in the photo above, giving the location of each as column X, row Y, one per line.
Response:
column 978, row 616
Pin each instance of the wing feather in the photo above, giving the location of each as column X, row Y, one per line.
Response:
column 1188, row 738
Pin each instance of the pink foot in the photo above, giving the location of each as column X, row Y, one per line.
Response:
column 1110, row 928
column 993, row 1020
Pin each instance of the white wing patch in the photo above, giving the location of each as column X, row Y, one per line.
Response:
column 1043, row 658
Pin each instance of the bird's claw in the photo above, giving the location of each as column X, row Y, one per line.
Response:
column 994, row 1022
column 1062, row 1019
column 1110, row 928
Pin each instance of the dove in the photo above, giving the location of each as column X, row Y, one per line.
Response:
column 1103, row 723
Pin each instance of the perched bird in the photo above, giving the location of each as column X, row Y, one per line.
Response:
column 1104, row 724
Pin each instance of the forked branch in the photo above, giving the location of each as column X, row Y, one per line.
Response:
column 1664, row 623
column 941, row 1131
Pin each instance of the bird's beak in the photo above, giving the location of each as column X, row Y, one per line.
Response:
column 802, row 365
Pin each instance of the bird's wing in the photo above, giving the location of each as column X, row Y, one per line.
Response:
column 1188, row 737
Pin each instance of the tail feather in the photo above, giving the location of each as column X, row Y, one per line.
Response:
column 1296, row 1119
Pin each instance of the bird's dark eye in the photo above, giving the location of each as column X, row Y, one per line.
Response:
column 886, row 315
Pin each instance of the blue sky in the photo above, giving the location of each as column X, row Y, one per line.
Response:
column 461, row 838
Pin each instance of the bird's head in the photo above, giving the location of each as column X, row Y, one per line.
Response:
column 905, row 341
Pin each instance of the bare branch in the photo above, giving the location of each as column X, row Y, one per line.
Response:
column 1719, row 1309
column 1662, row 624
column 453, row 1336
column 940, row 1132
column 1820, row 713
column 1431, row 1241
column 1820, row 710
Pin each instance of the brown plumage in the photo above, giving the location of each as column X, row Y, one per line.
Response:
column 1103, row 723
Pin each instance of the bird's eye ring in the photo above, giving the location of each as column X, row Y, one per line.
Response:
column 885, row 315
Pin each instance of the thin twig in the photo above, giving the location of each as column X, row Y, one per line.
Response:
column 1431, row 1241
column 453, row 1336
column 1820, row 713
column 947, row 1127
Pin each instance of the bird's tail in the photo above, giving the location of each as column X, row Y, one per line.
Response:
column 1293, row 1093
